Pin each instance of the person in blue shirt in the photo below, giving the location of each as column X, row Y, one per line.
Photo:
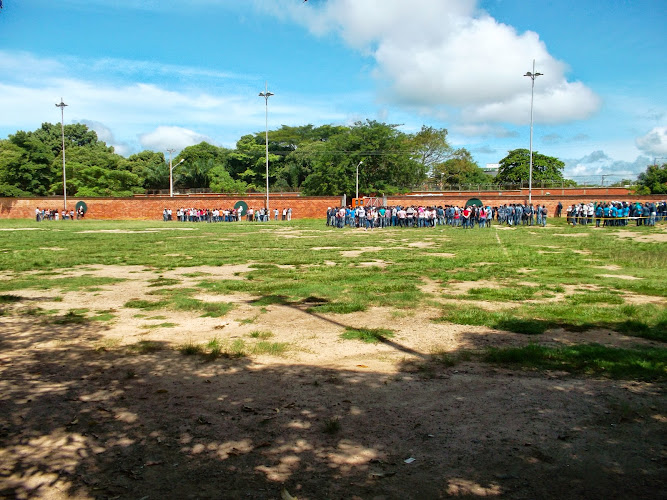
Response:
column 599, row 213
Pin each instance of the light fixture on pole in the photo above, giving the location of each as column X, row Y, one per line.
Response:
column 171, row 175
column 62, row 130
column 266, row 94
column 357, row 192
column 532, row 76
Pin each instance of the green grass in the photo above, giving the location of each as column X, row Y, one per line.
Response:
column 233, row 348
column 647, row 321
column 145, row 347
column 369, row 335
column 257, row 334
column 159, row 325
column 332, row 426
column 641, row 363
column 291, row 272
column 270, row 348
column 162, row 281
column 72, row 317
column 179, row 300
column 10, row 299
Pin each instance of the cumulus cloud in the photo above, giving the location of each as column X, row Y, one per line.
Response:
column 655, row 142
column 483, row 130
column 450, row 53
column 163, row 138
column 593, row 166
column 105, row 134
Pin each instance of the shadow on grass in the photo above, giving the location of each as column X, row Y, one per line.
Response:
column 655, row 329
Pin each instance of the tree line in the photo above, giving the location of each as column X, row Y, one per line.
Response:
column 313, row 160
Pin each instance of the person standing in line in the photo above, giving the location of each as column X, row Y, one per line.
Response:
column 289, row 214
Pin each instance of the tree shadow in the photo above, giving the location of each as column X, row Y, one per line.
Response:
column 80, row 421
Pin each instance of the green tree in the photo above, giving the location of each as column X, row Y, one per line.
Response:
column 26, row 164
column 248, row 162
column 388, row 163
column 222, row 182
column 431, row 148
column 100, row 181
column 653, row 180
column 514, row 168
column 460, row 169
column 151, row 168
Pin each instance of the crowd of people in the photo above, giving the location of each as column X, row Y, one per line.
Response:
column 226, row 214
column 617, row 213
column 511, row 214
column 55, row 214
column 430, row 216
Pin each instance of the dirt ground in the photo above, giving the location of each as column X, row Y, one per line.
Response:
column 84, row 416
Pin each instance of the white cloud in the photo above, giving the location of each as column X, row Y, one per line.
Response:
column 163, row 138
column 449, row 53
column 128, row 110
column 105, row 134
column 593, row 166
column 483, row 130
column 655, row 142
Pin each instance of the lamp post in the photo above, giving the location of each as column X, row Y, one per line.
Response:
column 171, row 170
column 62, row 130
column 357, row 192
column 266, row 94
column 532, row 76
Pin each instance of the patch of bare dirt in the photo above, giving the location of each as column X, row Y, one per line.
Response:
column 609, row 267
column 464, row 286
column 373, row 263
column 620, row 276
column 360, row 251
column 658, row 237
column 84, row 414
column 421, row 244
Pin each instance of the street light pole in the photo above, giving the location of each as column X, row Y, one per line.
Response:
column 266, row 94
column 532, row 76
column 357, row 192
column 62, row 130
column 171, row 169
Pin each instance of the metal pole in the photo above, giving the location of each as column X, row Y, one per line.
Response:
column 532, row 76
column 357, row 191
column 266, row 94
column 171, row 179
column 62, row 130
column 266, row 141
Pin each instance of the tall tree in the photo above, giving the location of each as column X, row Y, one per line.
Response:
column 515, row 167
column 431, row 148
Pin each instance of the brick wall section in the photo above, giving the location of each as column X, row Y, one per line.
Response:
column 150, row 207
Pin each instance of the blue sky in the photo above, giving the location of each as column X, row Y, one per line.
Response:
column 156, row 74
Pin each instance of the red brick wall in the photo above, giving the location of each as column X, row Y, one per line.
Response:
column 150, row 207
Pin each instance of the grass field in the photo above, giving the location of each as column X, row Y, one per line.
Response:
column 154, row 309
column 525, row 280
